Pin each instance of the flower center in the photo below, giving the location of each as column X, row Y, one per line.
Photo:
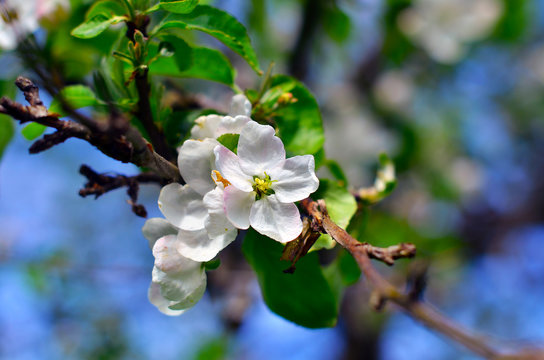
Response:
column 263, row 186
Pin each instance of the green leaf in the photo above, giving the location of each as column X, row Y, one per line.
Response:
column 6, row 132
column 99, row 18
column 95, row 26
column 336, row 171
column 341, row 206
column 219, row 24
column 33, row 130
column 337, row 24
column 230, row 141
column 207, row 64
column 182, row 52
column 77, row 96
column 299, row 124
column 305, row 297
column 107, row 8
column 178, row 6
column 212, row 264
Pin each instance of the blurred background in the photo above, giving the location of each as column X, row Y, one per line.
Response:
column 453, row 90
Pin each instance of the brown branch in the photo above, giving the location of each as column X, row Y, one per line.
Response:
column 145, row 115
column 385, row 291
column 99, row 184
column 120, row 141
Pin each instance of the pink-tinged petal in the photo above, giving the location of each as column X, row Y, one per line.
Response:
column 168, row 259
column 276, row 220
column 184, row 289
column 182, row 206
column 238, row 206
column 294, row 179
column 228, row 165
column 155, row 297
column 206, row 127
column 196, row 161
column 155, row 228
column 240, row 105
column 259, row 148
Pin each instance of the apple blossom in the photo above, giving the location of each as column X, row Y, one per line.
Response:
column 177, row 282
column 213, row 126
column 20, row 18
column 195, row 210
column 265, row 184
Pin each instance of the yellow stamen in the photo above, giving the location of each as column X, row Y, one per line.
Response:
column 218, row 178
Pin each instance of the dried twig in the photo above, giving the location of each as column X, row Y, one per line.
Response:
column 99, row 184
column 385, row 291
column 127, row 145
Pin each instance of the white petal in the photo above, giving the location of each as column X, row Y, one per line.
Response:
column 238, row 206
column 206, row 127
column 184, row 289
column 182, row 206
column 240, row 105
column 196, row 161
column 169, row 260
column 294, row 179
column 231, row 125
column 259, row 148
column 274, row 219
column 156, row 228
column 155, row 297
column 228, row 165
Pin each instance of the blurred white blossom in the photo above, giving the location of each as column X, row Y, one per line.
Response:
column 21, row 17
column 394, row 90
column 445, row 27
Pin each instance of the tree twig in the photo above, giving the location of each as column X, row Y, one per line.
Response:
column 145, row 115
column 99, row 184
column 126, row 146
column 412, row 305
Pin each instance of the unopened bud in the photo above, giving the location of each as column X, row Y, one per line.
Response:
column 286, row 99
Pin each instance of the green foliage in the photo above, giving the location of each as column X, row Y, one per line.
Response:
column 76, row 96
column 305, row 297
column 341, row 206
column 33, row 130
column 230, row 141
column 6, row 132
column 513, row 24
column 214, row 349
column 212, row 264
column 207, row 64
column 178, row 6
column 299, row 123
column 217, row 23
column 337, row 24
column 99, row 18
column 396, row 46
column 181, row 51
column 336, row 171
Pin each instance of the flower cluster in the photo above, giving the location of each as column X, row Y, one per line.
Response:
column 19, row 18
column 225, row 191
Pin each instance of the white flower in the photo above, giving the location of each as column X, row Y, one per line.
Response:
column 264, row 184
column 444, row 27
column 196, row 227
column 213, row 126
column 20, row 18
column 177, row 282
